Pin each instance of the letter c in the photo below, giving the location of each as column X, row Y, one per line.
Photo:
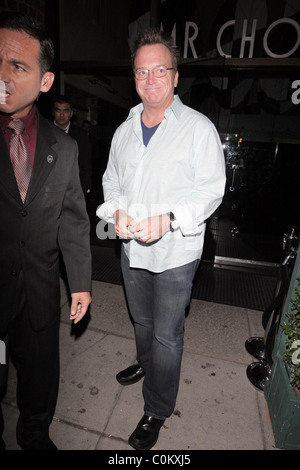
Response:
column 219, row 48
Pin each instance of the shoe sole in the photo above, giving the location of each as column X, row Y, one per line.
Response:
column 133, row 381
column 133, row 444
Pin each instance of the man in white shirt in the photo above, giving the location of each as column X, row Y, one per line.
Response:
column 165, row 177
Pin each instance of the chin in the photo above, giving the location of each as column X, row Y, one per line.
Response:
column 5, row 109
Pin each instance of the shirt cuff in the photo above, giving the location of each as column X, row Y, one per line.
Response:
column 187, row 218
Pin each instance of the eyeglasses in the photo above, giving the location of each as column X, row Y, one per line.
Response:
column 159, row 71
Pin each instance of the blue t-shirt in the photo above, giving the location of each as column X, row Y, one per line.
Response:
column 148, row 132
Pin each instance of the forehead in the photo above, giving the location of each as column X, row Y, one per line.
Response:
column 155, row 54
column 18, row 45
column 62, row 105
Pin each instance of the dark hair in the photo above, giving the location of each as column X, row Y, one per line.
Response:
column 61, row 99
column 24, row 23
column 151, row 36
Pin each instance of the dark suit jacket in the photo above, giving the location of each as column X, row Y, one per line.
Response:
column 53, row 218
column 84, row 157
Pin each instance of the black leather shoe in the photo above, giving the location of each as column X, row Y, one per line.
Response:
column 146, row 433
column 131, row 375
column 49, row 445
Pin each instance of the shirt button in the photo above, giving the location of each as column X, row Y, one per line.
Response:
column 22, row 244
column 13, row 273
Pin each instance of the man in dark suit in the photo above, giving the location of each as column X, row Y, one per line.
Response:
column 62, row 113
column 50, row 218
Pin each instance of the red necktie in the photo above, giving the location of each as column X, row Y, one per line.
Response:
column 20, row 157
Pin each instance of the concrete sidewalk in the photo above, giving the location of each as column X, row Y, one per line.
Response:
column 217, row 407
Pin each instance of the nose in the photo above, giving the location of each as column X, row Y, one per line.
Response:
column 150, row 76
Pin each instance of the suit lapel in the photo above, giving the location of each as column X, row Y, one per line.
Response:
column 44, row 160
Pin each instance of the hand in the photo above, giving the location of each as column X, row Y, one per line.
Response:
column 79, row 305
column 123, row 221
column 151, row 229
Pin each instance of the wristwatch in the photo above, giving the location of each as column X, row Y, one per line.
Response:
column 173, row 222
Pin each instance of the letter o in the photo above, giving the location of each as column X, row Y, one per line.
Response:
column 277, row 22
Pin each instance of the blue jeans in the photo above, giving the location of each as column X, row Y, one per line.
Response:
column 157, row 304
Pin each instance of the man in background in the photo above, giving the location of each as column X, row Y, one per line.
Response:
column 62, row 113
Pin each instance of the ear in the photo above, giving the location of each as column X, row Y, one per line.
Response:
column 176, row 79
column 47, row 82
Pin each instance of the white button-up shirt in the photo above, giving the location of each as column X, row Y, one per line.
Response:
column 182, row 170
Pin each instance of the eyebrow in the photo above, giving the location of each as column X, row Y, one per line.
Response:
column 19, row 62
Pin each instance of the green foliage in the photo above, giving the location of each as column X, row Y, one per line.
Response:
column 291, row 328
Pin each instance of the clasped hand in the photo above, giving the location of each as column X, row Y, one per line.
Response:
column 147, row 230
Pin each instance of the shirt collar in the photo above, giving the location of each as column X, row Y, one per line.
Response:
column 66, row 130
column 176, row 107
column 29, row 120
